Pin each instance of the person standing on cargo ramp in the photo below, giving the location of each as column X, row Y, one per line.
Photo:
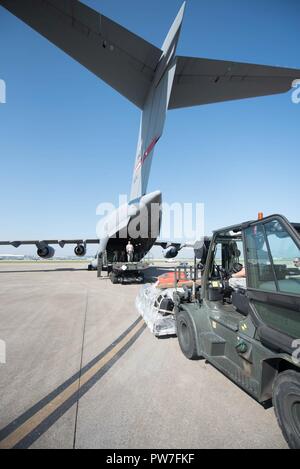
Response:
column 129, row 251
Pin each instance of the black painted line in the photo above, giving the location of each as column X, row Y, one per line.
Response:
column 60, row 411
column 11, row 427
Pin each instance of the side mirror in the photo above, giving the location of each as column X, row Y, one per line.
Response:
column 236, row 268
column 200, row 249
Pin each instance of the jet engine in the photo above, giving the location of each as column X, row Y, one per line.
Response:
column 171, row 252
column 45, row 251
column 80, row 250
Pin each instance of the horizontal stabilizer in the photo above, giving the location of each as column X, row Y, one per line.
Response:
column 204, row 81
column 120, row 58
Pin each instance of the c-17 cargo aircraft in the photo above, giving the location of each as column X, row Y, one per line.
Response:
column 155, row 80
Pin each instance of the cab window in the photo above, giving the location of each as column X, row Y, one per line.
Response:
column 260, row 273
column 273, row 259
column 285, row 256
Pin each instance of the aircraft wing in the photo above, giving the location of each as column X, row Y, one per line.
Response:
column 204, row 81
column 60, row 242
column 120, row 58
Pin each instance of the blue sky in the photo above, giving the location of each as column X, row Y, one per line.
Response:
column 68, row 141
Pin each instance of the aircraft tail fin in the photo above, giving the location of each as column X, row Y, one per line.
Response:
column 155, row 109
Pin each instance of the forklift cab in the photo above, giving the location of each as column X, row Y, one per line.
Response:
column 268, row 251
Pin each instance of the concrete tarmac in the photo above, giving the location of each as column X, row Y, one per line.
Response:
column 82, row 371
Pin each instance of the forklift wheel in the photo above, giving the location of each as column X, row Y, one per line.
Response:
column 186, row 336
column 286, row 400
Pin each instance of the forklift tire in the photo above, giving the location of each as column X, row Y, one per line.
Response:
column 186, row 336
column 286, row 400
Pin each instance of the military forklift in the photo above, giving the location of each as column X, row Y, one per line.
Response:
column 245, row 317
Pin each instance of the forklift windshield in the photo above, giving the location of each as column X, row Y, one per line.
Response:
column 273, row 258
column 273, row 277
column 258, row 260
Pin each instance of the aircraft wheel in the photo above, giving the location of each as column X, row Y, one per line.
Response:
column 113, row 278
column 141, row 278
column 186, row 336
column 286, row 400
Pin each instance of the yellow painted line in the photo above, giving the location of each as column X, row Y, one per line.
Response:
column 21, row 432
